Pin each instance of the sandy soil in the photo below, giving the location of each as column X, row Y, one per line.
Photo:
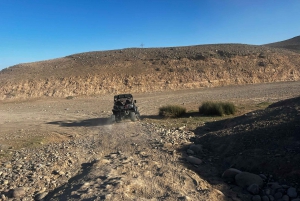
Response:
column 124, row 164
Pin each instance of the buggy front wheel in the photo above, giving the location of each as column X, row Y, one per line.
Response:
column 112, row 118
column 132, row 116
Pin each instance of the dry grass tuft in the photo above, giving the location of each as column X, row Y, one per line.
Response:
column 217, row 108
column 172, row 111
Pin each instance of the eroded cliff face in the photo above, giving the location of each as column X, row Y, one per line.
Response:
column 149, row 70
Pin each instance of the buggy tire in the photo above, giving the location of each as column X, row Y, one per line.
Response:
column 132, row 116
column 112, row 118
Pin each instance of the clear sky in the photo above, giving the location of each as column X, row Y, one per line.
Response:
column 35, row 30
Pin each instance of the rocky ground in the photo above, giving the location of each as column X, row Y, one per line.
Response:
column 66, row 149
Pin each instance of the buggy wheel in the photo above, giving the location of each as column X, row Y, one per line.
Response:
column 132, row 116
column 112, row 118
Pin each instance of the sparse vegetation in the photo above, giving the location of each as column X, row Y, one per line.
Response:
column 217, row 108
column 263, row 104
column 172, row 111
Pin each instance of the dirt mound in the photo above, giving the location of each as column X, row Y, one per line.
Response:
column 148, row 70
column 264, row 141
column 290, row 44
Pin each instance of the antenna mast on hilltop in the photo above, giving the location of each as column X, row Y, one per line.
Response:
column 142, row 45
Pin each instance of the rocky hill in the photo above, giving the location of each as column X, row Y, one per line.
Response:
column 290, row 44
column 148, row 70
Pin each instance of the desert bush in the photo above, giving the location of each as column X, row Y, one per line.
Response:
column 172, row 111
column 217, row 108
column 229, row 108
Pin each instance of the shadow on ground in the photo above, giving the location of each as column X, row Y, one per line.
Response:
column 263, row 141
column 64, row 192
column 190, row 114
column 151, row 117
column 82, row 123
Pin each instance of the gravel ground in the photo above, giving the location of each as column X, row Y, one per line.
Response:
column 57, row 149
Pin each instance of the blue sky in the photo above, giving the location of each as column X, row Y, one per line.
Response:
column 35, row 30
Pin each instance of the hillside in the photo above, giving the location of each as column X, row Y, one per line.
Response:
column 290, row 44
column 149, row 69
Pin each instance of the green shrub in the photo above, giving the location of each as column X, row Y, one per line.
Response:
column 229, row 108
column 172, row 111
column 217, row 108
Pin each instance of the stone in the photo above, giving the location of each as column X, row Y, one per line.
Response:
column 229, row 174
column 245, row 179
column 265, row 198
column 61, row 173
column 41, row 196
column 264, row 177
column 285, row 198
column 291, row 192
column 285, row 186
column 275, row 185
column 189, row 151
column 18, row 192
column 197, row 148
column 271, row 197
column 253, row 188
column 184, row 198
column 194, row 160
column 256, row 198
column 181, row 128
column 267, row 191
column 278, row 195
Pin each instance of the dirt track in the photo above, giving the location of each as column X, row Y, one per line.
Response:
column 120, row 161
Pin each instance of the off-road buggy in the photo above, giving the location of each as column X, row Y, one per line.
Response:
column 124, row 107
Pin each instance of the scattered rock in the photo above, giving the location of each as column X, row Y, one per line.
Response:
column 263, row 177
column 194, row 160
column 285, row 198
column 253, row 188
column 181, row 128
column 18, row 192
column 256, row 198
column 229, row 174
column 278, row 195
column 275, row 185
column 185, row 198
column 41, row 196
column 291, row 192
column 190, row 152
column 197, row 148
column 271, row 197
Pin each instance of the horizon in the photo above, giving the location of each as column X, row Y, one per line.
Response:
column 36, row 31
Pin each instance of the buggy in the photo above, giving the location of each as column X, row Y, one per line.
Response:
column 124, row 107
